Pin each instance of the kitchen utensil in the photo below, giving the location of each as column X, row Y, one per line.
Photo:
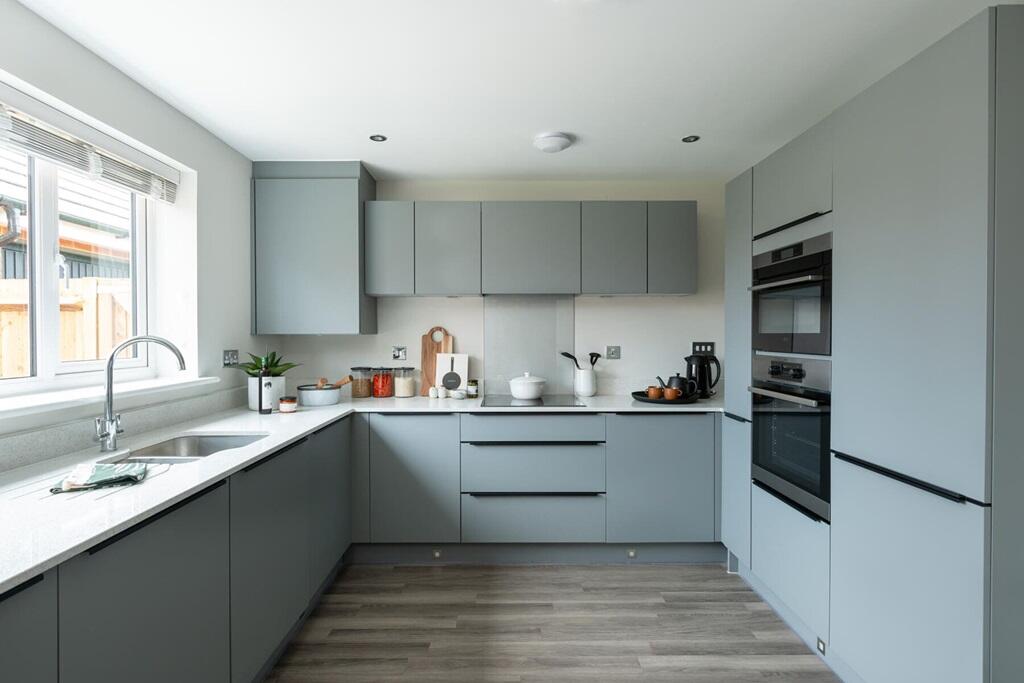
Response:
column 572, row 358
column 316, row 395
column 451, row 379
column 435, row 341
column 677, row 381
column 682, row 400
column 698, row 368
column 655, row 392
column 452, row 370
column 671, row 393
column 593, row 358
column 527, row 386
column 584, row 382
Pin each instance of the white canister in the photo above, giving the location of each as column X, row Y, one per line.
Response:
column 277, row 389
column 584, row 383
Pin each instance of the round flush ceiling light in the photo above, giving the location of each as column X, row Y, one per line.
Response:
column 691, row 138
column 552, row 142
column 378, row 137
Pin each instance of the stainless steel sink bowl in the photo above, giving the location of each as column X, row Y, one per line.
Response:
column 187, row 448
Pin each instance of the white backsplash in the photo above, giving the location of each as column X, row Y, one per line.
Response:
column 527, row 334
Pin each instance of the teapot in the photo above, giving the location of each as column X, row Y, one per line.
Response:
column 684, row 384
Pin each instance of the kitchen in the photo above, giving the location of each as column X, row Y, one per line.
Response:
column 610, row 403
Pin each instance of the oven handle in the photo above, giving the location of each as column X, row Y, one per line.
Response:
column 784, row 283
column 800, row 400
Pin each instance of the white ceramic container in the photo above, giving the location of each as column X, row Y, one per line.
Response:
column 585, row 382
column 277, row 390
column 527, row 386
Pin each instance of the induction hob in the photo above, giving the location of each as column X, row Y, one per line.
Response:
column 552, row 401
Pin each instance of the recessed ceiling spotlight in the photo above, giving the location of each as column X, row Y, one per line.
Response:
column 378, row 137
column 552, row 142
column 691, row 138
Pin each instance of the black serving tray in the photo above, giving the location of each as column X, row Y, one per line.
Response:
column 642, row 397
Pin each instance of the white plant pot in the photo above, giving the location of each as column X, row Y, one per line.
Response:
column 585, row 382
column 277, row 390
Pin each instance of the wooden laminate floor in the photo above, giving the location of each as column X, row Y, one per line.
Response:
column 545, row 623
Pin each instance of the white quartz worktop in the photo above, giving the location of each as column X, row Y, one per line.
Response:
column 39, row 530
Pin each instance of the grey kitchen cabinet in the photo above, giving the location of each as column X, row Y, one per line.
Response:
column 269, row 556
column 530, row 247
column 330, row 524
column 521, row 518
column 29, row 631
column 414, row 478
column 795, row 182
column 552, row 427
column 309, row 236
column 789, row 552
column 911, row 266
column 661, row 478
column 736, row 453
column 614, row 247
column 151, row 603
column 390, row 243
column 922, row 619
column 359, row 486
column 533, row 468
column 738, row 314
column 672, row 255
column 447, row 248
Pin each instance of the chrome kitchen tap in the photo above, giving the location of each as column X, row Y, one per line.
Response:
column 109, row 426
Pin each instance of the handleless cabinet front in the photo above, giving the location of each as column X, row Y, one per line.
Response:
column 531, row 247
column 330, row 523
column 28, row 631
column 447, row 248
column 614, row 247
column 389, row 248
column 672, row 256
column 151, row 604
column 736, row 453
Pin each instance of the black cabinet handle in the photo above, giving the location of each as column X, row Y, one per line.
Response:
column 533, row 443
column 802, row 510
column 534, row 494
column 737, row 418
column 273, row 455
column 146, row 522
column 798, row 221
column 909, row 481
column 10, row 593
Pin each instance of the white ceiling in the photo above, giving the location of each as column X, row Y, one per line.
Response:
column 460, row 87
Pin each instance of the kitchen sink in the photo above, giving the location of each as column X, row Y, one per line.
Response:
column 187, row 448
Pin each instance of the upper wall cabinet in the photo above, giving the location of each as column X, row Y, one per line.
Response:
column 614, row 247
column 531, row 247
column 447, row 248
column 390, row 242
column 308, row 232
column 795, row 183
column 672, row 247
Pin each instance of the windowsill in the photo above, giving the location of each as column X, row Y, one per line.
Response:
column 67, row 399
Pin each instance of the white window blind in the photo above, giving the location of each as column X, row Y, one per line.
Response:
column 37, row 138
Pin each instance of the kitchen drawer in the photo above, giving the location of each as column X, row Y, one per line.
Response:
column 532, row 428
column 532, row 519
column 533, row 468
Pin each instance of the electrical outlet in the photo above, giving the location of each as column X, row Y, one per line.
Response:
column 821, row 646
column 436, row 552
column 230, row 357
column 612, row 352
column 631, row 553
column 398, row 353
column 703, row 349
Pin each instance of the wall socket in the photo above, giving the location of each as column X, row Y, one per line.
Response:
column 398, row 353
column 612, row 352
column 230, row 357
column 703, row 349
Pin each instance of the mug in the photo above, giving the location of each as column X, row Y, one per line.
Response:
column 671, row 393
column 654, row 392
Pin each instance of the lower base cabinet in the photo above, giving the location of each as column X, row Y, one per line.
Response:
column 330, row 524
column 28, row 631
column 736, row 453
column 151, row 604
column 661, row 478
column 525, row 518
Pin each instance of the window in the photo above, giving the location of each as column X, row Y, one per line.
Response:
column 73, row 283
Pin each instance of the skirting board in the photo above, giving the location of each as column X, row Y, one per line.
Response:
column 838, row 666
column 537, row 553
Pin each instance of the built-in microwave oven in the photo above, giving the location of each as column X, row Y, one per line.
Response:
column 792, row 298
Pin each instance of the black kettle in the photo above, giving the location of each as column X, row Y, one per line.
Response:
column 698, row 368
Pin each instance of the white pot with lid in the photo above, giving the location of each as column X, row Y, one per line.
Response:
column 527, row 386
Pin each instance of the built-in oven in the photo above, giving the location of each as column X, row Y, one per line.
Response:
column 791, row 423
column 792, row 298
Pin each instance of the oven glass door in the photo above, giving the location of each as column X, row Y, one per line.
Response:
column 791, row 451
column 794, row 318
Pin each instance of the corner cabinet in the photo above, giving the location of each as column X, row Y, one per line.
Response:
column 531, row 247
column 28, row 631
column 308, row 233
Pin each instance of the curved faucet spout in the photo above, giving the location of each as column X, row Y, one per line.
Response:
column 109, row 426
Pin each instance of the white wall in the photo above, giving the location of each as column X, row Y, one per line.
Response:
column 654, row 332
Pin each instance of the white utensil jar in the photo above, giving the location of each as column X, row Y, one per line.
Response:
column 585, row 382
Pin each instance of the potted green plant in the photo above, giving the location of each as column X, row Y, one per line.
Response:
column 277, row 367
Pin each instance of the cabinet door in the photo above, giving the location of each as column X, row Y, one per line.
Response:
column 795, row 182
column 28, row 631
column 360, row 474
column 447, row 248
column 329, row 513
column 661, row 478
column 908, row 580
column 151, row 603
column 302, row 226
column 614, row 247
column 389, row 248
column 531, row 247
column 269, row 556
column 911, row 267
column 738, row 316
column 736, row 487
column 672, row 247
column 414, row 478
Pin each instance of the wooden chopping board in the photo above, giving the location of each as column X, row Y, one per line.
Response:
column 428, row 359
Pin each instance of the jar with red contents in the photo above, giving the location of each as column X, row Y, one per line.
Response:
column 383, row 383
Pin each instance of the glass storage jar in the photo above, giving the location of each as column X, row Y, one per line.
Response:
column 405, row 382
column 383, row 383
column 362, row 383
